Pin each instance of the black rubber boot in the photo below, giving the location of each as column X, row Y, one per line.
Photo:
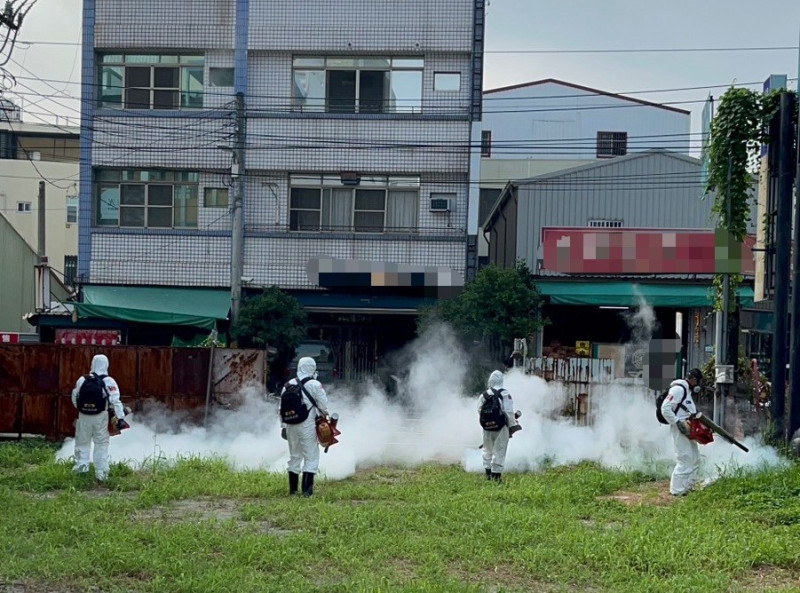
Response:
column 488, row 474
column 293, row 481
column 496, row 477
column 308, row 483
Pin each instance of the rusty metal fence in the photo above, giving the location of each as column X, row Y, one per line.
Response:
column 36, row 381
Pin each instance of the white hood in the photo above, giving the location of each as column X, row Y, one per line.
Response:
column 306, row 367
column 100, row 364
column 495, row 380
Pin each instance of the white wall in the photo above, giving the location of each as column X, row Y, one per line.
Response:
column 20, row 183
column 552, row 121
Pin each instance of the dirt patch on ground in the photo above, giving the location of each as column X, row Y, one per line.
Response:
column 206, row 509
column 501, row 577
column 650, row 493
column 767, row 578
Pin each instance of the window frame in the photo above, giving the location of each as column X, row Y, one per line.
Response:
column 186, row 65
column 611, row 144
column 325, row 65
column 155, row 186
column 325, row 186
column 486, row 143
column 73, row 206
column 216, row 191
column 605, row 223
column 444, row 76
column 24, row 207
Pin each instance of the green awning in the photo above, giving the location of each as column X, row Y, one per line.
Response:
column 196, row 307
column 626, row 294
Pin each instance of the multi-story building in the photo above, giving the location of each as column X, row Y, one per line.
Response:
column 32, row 153
column 344, row 130
column 545, row 126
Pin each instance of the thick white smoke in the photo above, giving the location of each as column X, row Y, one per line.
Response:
column 431, row 419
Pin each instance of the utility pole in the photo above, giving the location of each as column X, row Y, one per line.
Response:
column 724, row 376
column 783, row 246
column 794, row 354
column 40, row 235
column 237, row 228
column 42, row 268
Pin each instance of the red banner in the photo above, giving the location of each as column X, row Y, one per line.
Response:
column 88, row 337
column 9, row 338
column 642, row 251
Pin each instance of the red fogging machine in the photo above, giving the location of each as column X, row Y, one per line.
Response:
column 113, row 421
column 327, row 431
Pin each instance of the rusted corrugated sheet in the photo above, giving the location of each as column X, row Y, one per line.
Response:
column 40, row 369
column 155, row 371
column 233, row 369
column 10, row 406
column 190, row 371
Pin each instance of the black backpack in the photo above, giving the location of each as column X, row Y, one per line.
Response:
column 660, row 400
column 93, row 395
column 293, row 410
column 492, row 417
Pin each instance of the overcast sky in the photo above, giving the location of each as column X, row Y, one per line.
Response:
column 514, row 26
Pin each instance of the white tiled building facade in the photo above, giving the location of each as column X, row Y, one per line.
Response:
column 385, row 92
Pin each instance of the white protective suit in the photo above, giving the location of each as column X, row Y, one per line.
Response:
column 687, row 453
column 93, row 428
column 302, row 438
column 495, row 443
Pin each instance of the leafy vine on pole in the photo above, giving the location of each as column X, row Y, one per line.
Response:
column 739, row 127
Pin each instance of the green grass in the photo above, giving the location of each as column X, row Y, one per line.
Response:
column 197, row 526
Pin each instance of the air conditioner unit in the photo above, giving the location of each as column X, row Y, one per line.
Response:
column 440, row 205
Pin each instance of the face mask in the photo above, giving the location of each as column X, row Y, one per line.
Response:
column 696, row 389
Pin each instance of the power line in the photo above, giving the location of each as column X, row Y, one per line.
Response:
column 554, row 51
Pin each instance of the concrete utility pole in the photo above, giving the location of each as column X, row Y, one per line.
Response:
column 40, row 218
column 237, row 228
column 724, row 374
column 783, row 246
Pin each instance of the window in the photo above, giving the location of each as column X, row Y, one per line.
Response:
column 357, row 85
column 221, row 77
column 23, row 206
column 215, row 197
column 447, row 81
column 154, row 82
column 72, row 209
column 599, row 223
column 6, row 145
column 486, row 143
column 611, row 144
column 378, row 204
column 133, row 198
column 70, row 269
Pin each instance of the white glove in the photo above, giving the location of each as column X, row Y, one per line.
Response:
column 683, row 426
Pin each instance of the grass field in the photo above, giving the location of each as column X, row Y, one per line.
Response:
column 198, row 526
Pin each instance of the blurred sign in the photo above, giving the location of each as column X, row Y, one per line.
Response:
column 583, row 348
column 88, row 337
column 643, row 251
column 9, row 338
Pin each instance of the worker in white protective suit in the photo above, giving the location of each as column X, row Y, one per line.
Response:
column 91, row 396
column 496, row 433
column 677, row 408
column 302, row 437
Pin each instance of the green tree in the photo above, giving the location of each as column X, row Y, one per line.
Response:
column 272, row 318
column 500, row 304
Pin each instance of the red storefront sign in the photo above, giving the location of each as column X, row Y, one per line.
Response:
column 88, row 337
column 9, row 338
column 640, row 251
